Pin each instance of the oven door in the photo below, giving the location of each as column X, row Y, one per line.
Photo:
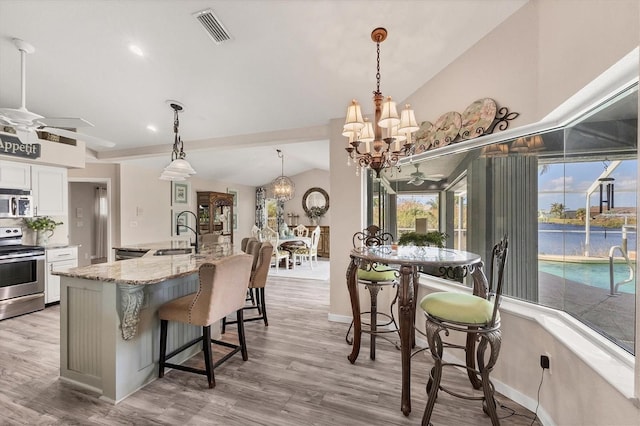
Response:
column 21, row 276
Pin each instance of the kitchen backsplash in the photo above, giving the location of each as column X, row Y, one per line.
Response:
column 60, row 235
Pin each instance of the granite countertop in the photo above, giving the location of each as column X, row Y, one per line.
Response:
column 162, row 245
column 150, row 269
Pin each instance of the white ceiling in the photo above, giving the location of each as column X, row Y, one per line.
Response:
column 290, row 67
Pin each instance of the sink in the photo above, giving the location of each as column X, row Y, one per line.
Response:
column 173, row 251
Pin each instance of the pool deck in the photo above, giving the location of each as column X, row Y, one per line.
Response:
column 614, row 315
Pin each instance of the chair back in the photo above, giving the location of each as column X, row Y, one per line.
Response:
column 244, row 244
column 371, row 236
column 255, row 232
column 271, row 236
column 262, row 254
column 253, row 249
column 301, row 231
column 496, row 274
column 222, row 290
column 315, row 238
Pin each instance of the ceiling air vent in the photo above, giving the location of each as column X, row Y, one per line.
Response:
column 213, row 26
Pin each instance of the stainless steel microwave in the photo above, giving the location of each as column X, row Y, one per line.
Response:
column 15, row 203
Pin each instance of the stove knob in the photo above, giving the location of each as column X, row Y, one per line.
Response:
column 8, row 231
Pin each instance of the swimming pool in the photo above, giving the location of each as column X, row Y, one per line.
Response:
column 591, row 274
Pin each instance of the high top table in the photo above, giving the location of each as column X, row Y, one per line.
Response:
column 406, row 260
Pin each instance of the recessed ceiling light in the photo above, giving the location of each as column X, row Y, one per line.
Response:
column 152, row 128
column 136, row 49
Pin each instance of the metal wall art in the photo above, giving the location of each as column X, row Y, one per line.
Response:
column 482, row 117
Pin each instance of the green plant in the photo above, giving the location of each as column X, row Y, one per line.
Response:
column 44, row 223
column 431, row 238
column 315, row 212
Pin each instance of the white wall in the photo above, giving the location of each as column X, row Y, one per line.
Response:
column 532, row 63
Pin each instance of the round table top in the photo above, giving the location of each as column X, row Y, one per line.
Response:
column 413, row 255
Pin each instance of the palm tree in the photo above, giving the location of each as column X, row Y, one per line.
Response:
column 557, row 209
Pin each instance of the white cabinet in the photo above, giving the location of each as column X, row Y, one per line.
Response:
column 50, row 190
column 58, row 258
column 15, row 175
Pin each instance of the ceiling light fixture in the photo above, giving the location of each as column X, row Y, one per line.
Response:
column 378, row 152
column 179, row 168
column 282, row 187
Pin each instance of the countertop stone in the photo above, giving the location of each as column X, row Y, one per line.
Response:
column 150, row 269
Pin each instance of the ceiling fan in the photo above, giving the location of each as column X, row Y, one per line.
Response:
column 27, row 123
column 418, row 178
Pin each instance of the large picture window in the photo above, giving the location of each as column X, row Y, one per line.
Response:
column 567, row 198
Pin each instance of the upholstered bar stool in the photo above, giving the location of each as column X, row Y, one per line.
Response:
column 375, row 278
column 262, row 252
column 474, row 316
column 222, row 291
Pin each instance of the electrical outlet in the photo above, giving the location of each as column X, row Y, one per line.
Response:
column 545, row 362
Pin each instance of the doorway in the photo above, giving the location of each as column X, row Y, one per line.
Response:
column 89, row 219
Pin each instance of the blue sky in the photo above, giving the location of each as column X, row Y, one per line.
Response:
column 567, row 184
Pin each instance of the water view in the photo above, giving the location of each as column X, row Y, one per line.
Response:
column 569, row 240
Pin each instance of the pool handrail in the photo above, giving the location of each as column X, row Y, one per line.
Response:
column 613, row 287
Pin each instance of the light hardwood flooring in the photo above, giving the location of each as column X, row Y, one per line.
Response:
column 297, row 374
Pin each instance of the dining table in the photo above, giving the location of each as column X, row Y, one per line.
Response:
column 293, row 243
column 407, row 261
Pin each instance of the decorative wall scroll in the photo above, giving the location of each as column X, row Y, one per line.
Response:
column 482, row 117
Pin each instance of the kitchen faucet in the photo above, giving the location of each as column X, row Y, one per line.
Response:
column 188, row 227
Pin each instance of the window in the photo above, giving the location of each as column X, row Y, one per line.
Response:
column 566, row 198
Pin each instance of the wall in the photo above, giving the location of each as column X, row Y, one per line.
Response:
column 303, row 182
column 532, row 63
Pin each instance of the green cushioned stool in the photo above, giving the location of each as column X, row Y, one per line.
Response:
column 475, row 316
column 375, row 278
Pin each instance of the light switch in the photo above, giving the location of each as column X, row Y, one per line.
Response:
column 133, row 224
column 79, row 224
column 78, row 212
column 139, row 211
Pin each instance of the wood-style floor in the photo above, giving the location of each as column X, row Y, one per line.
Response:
column 297, row 374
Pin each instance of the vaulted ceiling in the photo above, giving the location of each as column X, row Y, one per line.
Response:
column 289, row 67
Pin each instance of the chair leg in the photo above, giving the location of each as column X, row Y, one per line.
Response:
column 373, row 292
column 494, row 340
column 258, row 301
column 224, row 325
column 264, row 306
column 241, row 339
column 163, row 348
column 206, row 347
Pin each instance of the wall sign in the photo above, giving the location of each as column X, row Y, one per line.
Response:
column 11, row 145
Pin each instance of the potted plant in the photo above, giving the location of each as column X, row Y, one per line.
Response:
column 44, row 227
column 431, row 238
column 315, row 213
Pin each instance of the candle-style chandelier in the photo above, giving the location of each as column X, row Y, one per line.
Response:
column 179, row 168
column 367, row 147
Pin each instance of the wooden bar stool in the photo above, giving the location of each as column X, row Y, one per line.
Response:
column 222, row 291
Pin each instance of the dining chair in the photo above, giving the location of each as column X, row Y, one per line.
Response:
column 222, row 288
column 255, row 232
column 375, row 278
column 309, row 252
column 301, row 231
column 476, row 317
column 258, row 280
column 272, row 237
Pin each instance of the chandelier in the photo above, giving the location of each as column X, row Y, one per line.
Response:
column 367, row 147
column 179, row 168
column 282, row 187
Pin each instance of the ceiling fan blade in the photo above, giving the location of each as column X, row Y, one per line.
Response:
column 64, row 122
column 90, row 140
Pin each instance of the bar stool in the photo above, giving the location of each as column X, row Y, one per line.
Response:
column 474, row 316
column 222, row 291
column 375, row 278
column 262, row 252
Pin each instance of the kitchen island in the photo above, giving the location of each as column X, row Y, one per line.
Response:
column 109, row 327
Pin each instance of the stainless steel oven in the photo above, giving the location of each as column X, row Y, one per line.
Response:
column 22, row 270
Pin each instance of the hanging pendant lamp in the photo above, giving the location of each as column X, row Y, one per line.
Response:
column 179, row 168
